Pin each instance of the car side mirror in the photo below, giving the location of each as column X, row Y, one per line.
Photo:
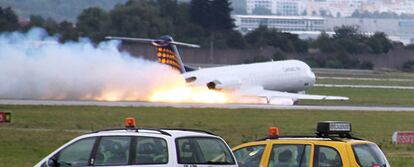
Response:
column 51, row 163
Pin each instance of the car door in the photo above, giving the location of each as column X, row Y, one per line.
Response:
column 112, row 151
column 76, row 154
column 139, row 151
column 329, row 156
column 290, row 155
column 202, row 151
column 250, row 156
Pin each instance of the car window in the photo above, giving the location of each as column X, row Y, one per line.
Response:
column 151, row 150
column 326, row 156
column 368, row 155
column 76, row 154
column 289, row 155
column 203, row 150
column 249, row 156
column 113, row 150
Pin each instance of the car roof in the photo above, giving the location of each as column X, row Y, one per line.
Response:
column 150, row 132
column 317, row 139
column 300, row 140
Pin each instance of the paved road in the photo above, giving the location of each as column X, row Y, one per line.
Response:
column 190, row 105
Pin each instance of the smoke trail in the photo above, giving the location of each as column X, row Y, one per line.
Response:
column 36, row 66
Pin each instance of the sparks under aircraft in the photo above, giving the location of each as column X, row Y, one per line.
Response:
column 277, row 80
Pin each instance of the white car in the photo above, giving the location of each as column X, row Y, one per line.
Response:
column 143, row 147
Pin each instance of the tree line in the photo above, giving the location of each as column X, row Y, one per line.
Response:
column 203, row 22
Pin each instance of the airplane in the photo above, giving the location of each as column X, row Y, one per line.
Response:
column 284, row 80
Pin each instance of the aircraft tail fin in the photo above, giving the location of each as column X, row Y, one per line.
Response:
column 167, row 52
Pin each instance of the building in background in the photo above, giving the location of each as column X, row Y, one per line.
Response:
column 310, row 27
column 401, row 30
column 294, row 24
column 239, row 6
column 324, row 8
column 288, row 7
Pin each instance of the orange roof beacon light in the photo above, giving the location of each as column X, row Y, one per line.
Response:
column 130, row 123
column 273, row 132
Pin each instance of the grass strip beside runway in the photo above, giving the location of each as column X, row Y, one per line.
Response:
column 363, row 96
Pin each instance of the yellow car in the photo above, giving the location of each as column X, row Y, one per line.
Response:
column 332, row 146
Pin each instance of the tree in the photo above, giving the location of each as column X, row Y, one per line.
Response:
column 263, row 36
column 235, row 40
column 67, row 31
column 382, row 39
column 221, row 16
column 138, row 19
column 92, row 23
column 375, row 45
column 213, row 15
column 200, row 12
column 8, row 20
column 345, row 32
column 257, row 38
column 325, row 43
column 50, row 25
column 278, row 55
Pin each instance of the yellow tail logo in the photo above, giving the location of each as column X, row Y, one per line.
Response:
column 167, row 56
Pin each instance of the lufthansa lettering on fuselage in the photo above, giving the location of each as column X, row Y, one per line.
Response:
column 291, row 69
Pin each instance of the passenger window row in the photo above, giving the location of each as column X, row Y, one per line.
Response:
column 289, row 155
column 114, row 150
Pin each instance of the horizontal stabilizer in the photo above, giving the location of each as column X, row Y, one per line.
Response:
column 185, row 44
column 164, row 40
column 145, row 40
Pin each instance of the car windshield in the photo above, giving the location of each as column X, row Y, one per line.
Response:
column 203, row 150
column 369, row 155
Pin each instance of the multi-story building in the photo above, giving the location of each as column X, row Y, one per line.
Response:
column 253, row 4
column 310, row 27
column 246, row 23
column 287, row 7
column 239, row 6
column 277, row 7
column 333, row 8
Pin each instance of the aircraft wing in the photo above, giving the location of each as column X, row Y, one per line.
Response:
column 298, row 96
column 271, row 94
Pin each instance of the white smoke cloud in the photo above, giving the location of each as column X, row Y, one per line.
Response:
column 35, row 66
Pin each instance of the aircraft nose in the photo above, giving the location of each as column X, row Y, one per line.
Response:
column 311, row 77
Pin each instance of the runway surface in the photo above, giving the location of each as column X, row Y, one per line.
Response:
column 365, row 86
column 192, row 105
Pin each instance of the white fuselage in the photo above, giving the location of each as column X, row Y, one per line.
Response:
column 287, row 75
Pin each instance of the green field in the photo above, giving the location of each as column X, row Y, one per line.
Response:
column 363, row 77
column 362, row 73
column 364, row 96
column 22, row 145
column 366, row 82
